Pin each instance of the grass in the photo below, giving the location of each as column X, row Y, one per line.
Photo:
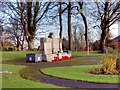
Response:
column 84, row 53
column 22, row 54
column 80, row 73
column 15, row 81
column 92, row 53
column 15, row 55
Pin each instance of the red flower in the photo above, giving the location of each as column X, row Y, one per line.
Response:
column 56, row 58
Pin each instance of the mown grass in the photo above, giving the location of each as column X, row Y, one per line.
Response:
column 80, row 73
column 91, row 53
column 22, row 54
column 15, row 55
column 15, row 81
column 85, row 53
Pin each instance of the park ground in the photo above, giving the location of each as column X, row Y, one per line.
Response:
column 34, row 75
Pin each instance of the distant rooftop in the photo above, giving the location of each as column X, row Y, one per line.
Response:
column 117, row 38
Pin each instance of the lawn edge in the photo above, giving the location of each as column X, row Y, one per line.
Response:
column 42, row 72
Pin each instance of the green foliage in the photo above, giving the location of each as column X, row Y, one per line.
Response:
column 9, row 48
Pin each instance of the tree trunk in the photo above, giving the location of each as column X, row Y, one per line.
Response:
column 104, row 28
column 60, row 20
column 29, row 17
column 31, row 26
column 85, row 24
column 18, row 44
column 86, row 32
column 69, row 27
column 30, row 44
column 103, row 42
column 22, row 47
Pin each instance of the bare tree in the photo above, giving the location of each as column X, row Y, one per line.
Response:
column 77, row 37
column 85, row 23
column 32, row 20
column 17, row 34
column 69, row 26
column 60, row 19
column 107, row 14
column 1, row 29
column 29, row 14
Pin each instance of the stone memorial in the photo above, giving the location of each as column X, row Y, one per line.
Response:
column 50, row 48
column 50, row 45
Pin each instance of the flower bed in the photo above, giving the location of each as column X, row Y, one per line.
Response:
column 56, row 58
column 108, row 67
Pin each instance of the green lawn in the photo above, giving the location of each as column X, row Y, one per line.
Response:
column 80, row 73
column 15, row 55
column 15, row 81
column 85, row 53
column 22, row 54
column 92, row 53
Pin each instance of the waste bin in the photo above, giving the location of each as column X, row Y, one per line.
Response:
column 69, row 53
column 33, row 57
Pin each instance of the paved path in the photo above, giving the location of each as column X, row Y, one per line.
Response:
column 39, row 76
column 74, row 84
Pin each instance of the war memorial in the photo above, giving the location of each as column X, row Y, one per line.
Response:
column 50, row 50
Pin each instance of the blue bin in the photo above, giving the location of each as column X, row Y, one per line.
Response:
column 33, row 57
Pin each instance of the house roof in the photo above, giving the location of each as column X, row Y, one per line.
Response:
column 117, row 38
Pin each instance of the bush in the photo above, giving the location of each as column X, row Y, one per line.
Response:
column 109, row 66
column 111, row 50
column 109, row 63
column 9, row 48
column 118, row 63
column 34, row 49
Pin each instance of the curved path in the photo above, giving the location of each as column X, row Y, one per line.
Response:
column 34, row 71
column 73, row 83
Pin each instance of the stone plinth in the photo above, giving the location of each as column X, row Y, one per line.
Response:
column 50, row 45
column 48, row 57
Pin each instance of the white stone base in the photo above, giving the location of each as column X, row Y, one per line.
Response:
column 48, row 57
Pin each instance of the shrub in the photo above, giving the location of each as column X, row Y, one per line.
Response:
column 109, row 63
column 108, row 67
column 96, row 71
column 111, row 50
column 35, row 49
column 9, row 48
column 118, row 63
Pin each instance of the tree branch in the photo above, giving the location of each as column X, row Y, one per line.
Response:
column 43, row 12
